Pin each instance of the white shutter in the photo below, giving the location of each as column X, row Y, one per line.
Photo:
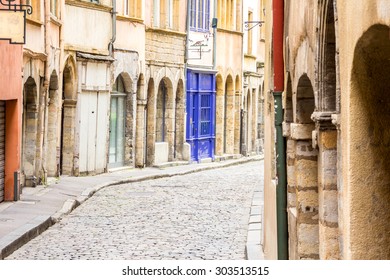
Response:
column 2, row 148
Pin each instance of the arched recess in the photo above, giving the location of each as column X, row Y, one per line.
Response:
column 29, row 132
column 121, row 122
column 150, row 124
column 220, row 116
column 53, row 128
column 367, row 194
column 327, row 136
column 228, row 135
column 327, row 68
column 140, row 142
column 68, row 114
column 179, row 121
column 237, row 115
column 306, row 170
column 165, row 116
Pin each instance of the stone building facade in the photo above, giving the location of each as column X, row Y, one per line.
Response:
column 336, row 60
column 164, row 74
column 253, row 79
column 229, row 65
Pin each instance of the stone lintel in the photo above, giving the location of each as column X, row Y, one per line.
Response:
column 301, row 131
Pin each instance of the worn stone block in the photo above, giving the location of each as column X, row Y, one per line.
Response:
column 328, row 206
column 292, row 233
column 308, row 239
column 301, row 131
column 328, row 139
column 329, row 243
column 306, row 173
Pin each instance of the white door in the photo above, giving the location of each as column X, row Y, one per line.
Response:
column 2, row 148
column 93, row 128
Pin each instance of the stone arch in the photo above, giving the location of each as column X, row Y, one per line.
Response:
column 327, row 59
column 150, row 124
column 367, row 193
column 220, row 117
column 53, row 127
column 29, row 132
column 165, row 116
column 228, row 134
column 121, row 122
column 179, row 121
column 68, row 115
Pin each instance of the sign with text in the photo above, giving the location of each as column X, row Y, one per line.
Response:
column 12, row 26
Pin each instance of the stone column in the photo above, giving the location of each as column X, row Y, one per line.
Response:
column 237, row 124
column 68, row 136
column 327, row 186
column 306, row 191
column 140, row 140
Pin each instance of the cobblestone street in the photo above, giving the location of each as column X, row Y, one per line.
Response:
column 198, row 216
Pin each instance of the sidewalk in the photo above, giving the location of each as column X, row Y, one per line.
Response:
column 41, row 207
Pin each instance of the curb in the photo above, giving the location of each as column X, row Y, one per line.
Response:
column 19, row 237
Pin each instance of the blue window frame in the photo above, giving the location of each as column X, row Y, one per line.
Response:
column 200, row 15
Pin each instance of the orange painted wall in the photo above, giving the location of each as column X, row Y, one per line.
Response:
column 11, row 91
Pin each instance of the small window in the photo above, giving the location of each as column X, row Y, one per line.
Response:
column 200, row 15
column 54, row 7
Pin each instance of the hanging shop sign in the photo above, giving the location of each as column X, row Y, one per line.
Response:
column 13, row 21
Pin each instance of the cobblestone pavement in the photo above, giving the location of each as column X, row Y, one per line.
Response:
column 198, row 216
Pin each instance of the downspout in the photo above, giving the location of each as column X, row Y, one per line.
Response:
column 113, row 38
column 281, row 188
column 46, row 88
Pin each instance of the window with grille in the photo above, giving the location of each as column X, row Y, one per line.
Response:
column 200, row 15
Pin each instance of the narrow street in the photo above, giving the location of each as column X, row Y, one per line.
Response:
column 202, row 215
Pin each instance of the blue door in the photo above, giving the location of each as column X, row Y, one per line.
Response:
column 200, row 129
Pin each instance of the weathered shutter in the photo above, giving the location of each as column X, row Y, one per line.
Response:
column 2, row 148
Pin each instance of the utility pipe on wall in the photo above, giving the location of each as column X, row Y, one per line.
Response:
column 281, row 188
column 113, row 38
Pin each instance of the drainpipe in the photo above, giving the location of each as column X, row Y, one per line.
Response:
column 46, row 85
column 113, row 38
column 281, row 188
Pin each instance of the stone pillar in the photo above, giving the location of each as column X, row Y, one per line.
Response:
column 306, row 191
column 68, row 136
column 327, row 186
column 220, row 122
column 237, row 122
column 140, row 140
column 229, row 118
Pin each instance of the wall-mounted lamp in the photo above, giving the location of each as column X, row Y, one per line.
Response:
column 252, row 24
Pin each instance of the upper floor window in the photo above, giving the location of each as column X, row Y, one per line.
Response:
column 229, row 14
column 132, row 8
column 166, row 14
column 200, row 14
column 36, row 5
column 54, row 9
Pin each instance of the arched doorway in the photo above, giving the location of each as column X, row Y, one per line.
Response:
column 118, row 112
column 367, row 189
column 29, row 133
column 53, row 128
column 165, row 106
column 68, row 115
